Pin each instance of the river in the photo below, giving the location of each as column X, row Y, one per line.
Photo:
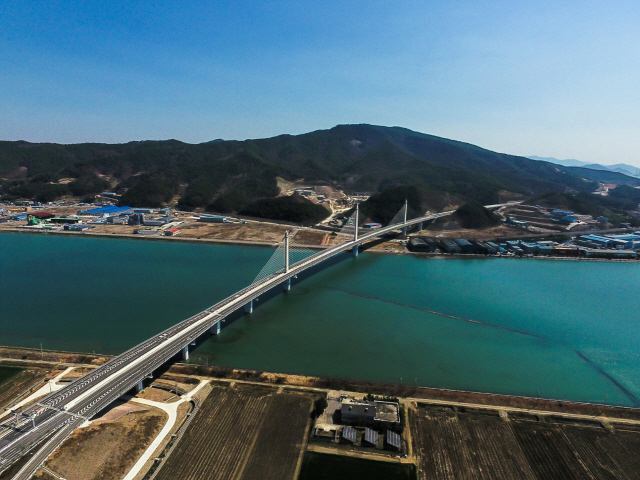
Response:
column 558, row 329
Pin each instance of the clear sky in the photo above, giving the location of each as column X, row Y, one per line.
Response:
column 531, row 77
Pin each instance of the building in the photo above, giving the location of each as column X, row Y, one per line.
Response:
column 367, row 412
column 465, row 246
column 529, row 248
column 136, row 219
column 157, row 222
column 105, row 211
column 372, row 226
column 449, row 246
column 63, row 220
column 119, row 220
column 358, row 412
column 417, row 244
column 612, row 254
column 213, row 219
column 306, row 193
column 143, row 210
column 172, row 232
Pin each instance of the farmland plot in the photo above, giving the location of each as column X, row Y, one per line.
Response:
column 494, row 449
column 245, row 434
column 279, row 443
column 609, row 456
column 548, row 451
column 439, row 444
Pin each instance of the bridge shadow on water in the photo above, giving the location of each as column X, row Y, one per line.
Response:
column 278, row 290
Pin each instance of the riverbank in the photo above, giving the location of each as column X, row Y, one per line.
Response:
column 387, row 248
column 24, row 357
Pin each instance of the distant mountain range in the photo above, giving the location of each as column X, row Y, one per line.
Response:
column 623, row 168
column 229, row 176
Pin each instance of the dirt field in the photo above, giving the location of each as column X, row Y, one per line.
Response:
column 454, row 445
column 108, row 450
column 18, row 383
column 250, row 433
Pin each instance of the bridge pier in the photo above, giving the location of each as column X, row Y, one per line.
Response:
column 248, row 308
column 140, row 386
column 404, row 231
column 286, row 286
column 185, row 352
column 420, row 226
column 216, row 328
column 355, row 250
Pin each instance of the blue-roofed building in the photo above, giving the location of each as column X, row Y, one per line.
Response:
column 102, row 211
column 529, row 247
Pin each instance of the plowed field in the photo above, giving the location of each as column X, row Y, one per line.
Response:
column 241, row 435
column 450, row 445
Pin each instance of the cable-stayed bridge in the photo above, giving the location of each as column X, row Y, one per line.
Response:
column 43, row 426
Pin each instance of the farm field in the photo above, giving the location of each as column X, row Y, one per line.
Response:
column 323, row 466
column 15, row 380
column 451, row 444
column 243, row 433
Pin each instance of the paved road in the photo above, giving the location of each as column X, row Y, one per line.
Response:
column 57, row 415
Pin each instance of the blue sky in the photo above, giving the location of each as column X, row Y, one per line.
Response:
column 529, row 78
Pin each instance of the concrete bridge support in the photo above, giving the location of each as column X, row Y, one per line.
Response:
column 140, row 386
column 355, row 250
column 248, row 308
column 420, row 226
column 185, row 352
column 216, row 328
column 286, row 286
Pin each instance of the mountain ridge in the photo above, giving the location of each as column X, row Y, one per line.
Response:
column 230, row 174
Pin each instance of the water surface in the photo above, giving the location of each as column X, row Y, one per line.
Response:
column 557, row 329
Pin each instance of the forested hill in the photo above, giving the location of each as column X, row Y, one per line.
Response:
column 228, row 175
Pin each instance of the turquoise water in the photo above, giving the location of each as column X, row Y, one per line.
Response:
column 560, row 329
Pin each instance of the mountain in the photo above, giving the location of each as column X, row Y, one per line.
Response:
column 228, row 175
column 623, row 168
column 565, row 163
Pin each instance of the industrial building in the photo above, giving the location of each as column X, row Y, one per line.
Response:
column 449, row 246
column 419, row 244
column 376, row 411
column 105, row 211
column 157, row 222
column 213, row 219
column 465, row 246
column 172, row 232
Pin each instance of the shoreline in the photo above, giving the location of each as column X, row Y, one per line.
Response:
column 257, row 243
column 56, row 358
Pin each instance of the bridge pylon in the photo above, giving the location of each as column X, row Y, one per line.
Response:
column 406, row 208
column 355, row 230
